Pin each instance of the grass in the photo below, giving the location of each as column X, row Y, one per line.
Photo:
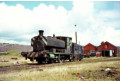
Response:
column 5, row 59
column 11, row 53
column 88, row 67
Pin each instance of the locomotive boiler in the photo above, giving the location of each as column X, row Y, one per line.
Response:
column 53, row 49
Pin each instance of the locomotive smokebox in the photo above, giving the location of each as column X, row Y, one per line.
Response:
column 41, row 32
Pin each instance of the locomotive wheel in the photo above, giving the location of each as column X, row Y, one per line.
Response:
column 76, row 58
column 46, row 60
column 70, row 58
column 39, row 61
column 50, row 61
column 61, row 59
column 80, row 58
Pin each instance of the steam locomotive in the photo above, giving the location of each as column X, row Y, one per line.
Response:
column 53, row 49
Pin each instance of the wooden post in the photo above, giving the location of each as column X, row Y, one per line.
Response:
column 75, row 35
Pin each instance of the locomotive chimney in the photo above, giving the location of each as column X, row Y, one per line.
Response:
column 41, row 32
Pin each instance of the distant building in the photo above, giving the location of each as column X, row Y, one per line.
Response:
column 108, row 49
column 89, row 50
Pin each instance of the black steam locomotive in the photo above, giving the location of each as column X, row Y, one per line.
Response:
column 53, row 49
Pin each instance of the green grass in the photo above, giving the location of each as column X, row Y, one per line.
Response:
column 11, row 53
column 89, row 67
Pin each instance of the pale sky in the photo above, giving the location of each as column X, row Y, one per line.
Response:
column 96, row 21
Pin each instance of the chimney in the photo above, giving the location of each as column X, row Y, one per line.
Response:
column 102, row 42
column 53, row 35
column 76, row 37
column 41, row 32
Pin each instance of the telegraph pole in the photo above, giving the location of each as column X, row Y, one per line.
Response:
column 75, row 34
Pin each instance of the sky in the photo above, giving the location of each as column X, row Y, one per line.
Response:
column 96, row 21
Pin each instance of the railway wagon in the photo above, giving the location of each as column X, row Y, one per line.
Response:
column 53, row 49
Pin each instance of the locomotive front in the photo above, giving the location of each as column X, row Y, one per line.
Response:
column 38, row 42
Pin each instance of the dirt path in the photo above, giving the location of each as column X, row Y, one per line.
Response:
column 21, row 67
column 35, row 65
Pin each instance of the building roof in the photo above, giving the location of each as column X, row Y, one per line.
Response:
column 89, row 46
column 107, row 46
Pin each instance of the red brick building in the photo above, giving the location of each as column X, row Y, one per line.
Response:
column 108, row 49
column 89, row 50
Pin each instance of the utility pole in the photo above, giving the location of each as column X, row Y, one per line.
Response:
column 75, row 34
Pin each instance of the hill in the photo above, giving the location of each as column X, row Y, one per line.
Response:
column 4, row 47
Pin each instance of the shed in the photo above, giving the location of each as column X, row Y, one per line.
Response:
column 89, row 50
column 108, row 49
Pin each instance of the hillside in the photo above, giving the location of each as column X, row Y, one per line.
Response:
column 6, row 47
